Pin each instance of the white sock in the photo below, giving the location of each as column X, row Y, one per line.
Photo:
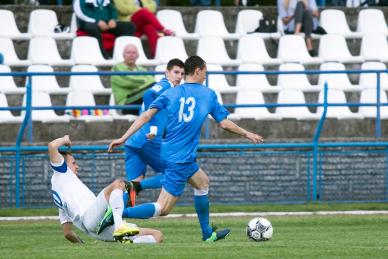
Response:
column 117, row 204
column 157, row 209
column 144, row 239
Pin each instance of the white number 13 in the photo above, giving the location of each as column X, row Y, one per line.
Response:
column 190, row 104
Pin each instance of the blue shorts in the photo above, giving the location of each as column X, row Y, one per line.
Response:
column 137, row 159
column 176, row 176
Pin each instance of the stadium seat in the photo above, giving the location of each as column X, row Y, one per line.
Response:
column 123, row 41
column 292, row 48
column 86, row 51
column 251, row 49
column 43, row 50
column 374, row 47
column 294, row 96
column 339, row 112
column 218, row 82
column 258, row 113
column 369, row 80
column 334, row 80
column 41, row 99
column 211, row 23
column 7, row 84
column 248, row 22
column 339, row 53
column 9, row 29
column 169, row 48
column 90, row 83
column 47, row 84
column 172, row 19
column 295, row 81
column 82, row 98
column 42, row 23
column 371, row 21
column 115, row 115
column 254, row 81
column 9, row 53
column 334, row 22
column 213, row 51
column 6, row 115
column 369, row 96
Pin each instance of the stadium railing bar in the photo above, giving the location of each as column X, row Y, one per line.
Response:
column 314, row 146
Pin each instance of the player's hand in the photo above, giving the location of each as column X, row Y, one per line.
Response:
column 150, row 136
column 66, row 140
column 115, row 143
column 112, row 24
column 102, row 25
column 254, row 138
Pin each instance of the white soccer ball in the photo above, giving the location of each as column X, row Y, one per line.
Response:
column 259, row 229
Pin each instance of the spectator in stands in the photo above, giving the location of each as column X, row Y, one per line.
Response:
column 201, row 2
column 129, row 89
column 299, row 16
column 95, row 17
column 1, row 58
column 142, row 14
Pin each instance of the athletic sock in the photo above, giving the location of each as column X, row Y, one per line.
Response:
column 144, row 239
column 143, row 211
column 153, row 182
column 117, row 205
column 201, row 203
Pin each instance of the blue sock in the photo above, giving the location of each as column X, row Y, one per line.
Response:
column 144, row 211
column 125, row 199
column 153, row 182
column 201, row 204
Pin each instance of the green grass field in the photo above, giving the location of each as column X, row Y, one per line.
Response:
column 294, row 237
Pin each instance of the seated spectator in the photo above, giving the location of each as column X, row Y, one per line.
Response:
column 1, row 58
column 95, row 17
column 142, row 14
column 129, row 89
column 299, row 16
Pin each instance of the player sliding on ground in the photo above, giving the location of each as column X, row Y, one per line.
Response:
column 80, row 207
column 187, row 106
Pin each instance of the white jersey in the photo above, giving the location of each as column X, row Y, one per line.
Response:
column 71, row 196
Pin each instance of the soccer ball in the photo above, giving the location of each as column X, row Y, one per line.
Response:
column 259, row 229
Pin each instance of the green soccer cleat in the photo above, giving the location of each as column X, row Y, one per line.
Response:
column 218, row 235
column 106, row 221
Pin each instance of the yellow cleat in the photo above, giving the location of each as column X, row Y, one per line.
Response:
column 125, row 230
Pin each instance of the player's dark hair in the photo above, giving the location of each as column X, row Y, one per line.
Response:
column 175, row 62
column 65, row 153
column 192, row 63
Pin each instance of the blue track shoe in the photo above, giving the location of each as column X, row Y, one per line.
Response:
column 218, row 234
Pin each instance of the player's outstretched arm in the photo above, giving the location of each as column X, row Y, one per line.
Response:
column 53, row 146
column 70, row 234
column 139, row 122
column 234, row 128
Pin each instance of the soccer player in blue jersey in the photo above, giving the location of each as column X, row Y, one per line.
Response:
column 187, row 107
column 140, row 151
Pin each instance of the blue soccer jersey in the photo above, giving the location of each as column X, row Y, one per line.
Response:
column 139, row 139
column 187, row 107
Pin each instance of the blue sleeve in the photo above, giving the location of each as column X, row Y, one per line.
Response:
column 218, row 112
column 148, row 97
column 160, row 103
column 60, row 168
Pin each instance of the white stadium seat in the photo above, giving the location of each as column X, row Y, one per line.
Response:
column 374, row 47
column 218, row 82
column 46, row 84
column 115, row 114
column 213, row 51
column 172, row 19
column 333, row 47
column 160, row 68
column 251, row 49
column 9, row 53
column 334, row 80
column 6, row 115
column 334, row 22
column 254, row 81
column 369, row 96
column 82, row 98
column 294, row 96
column 369, row 80
column 169, row 48
column 292, row 48
column 295, row 81
column 8, row 28
column 211, row 23
column 85, row 50
column 372, row 21
column 43, row 50
column 249, row 20
column 123, row 41
column 338, row 112
column 41, row 99
column 42, row 23
column 7, row 84
column 88, row 83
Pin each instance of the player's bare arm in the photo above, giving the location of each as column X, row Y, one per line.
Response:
column 70, row 234
column 230, row 126
column 139, row 122
column 53, row 146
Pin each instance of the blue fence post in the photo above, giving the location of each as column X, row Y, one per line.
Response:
column 316, row 140
column 207, row 124
column 378, row 117
column 30, row 130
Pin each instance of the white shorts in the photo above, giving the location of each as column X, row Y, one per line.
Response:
column 95, row 212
